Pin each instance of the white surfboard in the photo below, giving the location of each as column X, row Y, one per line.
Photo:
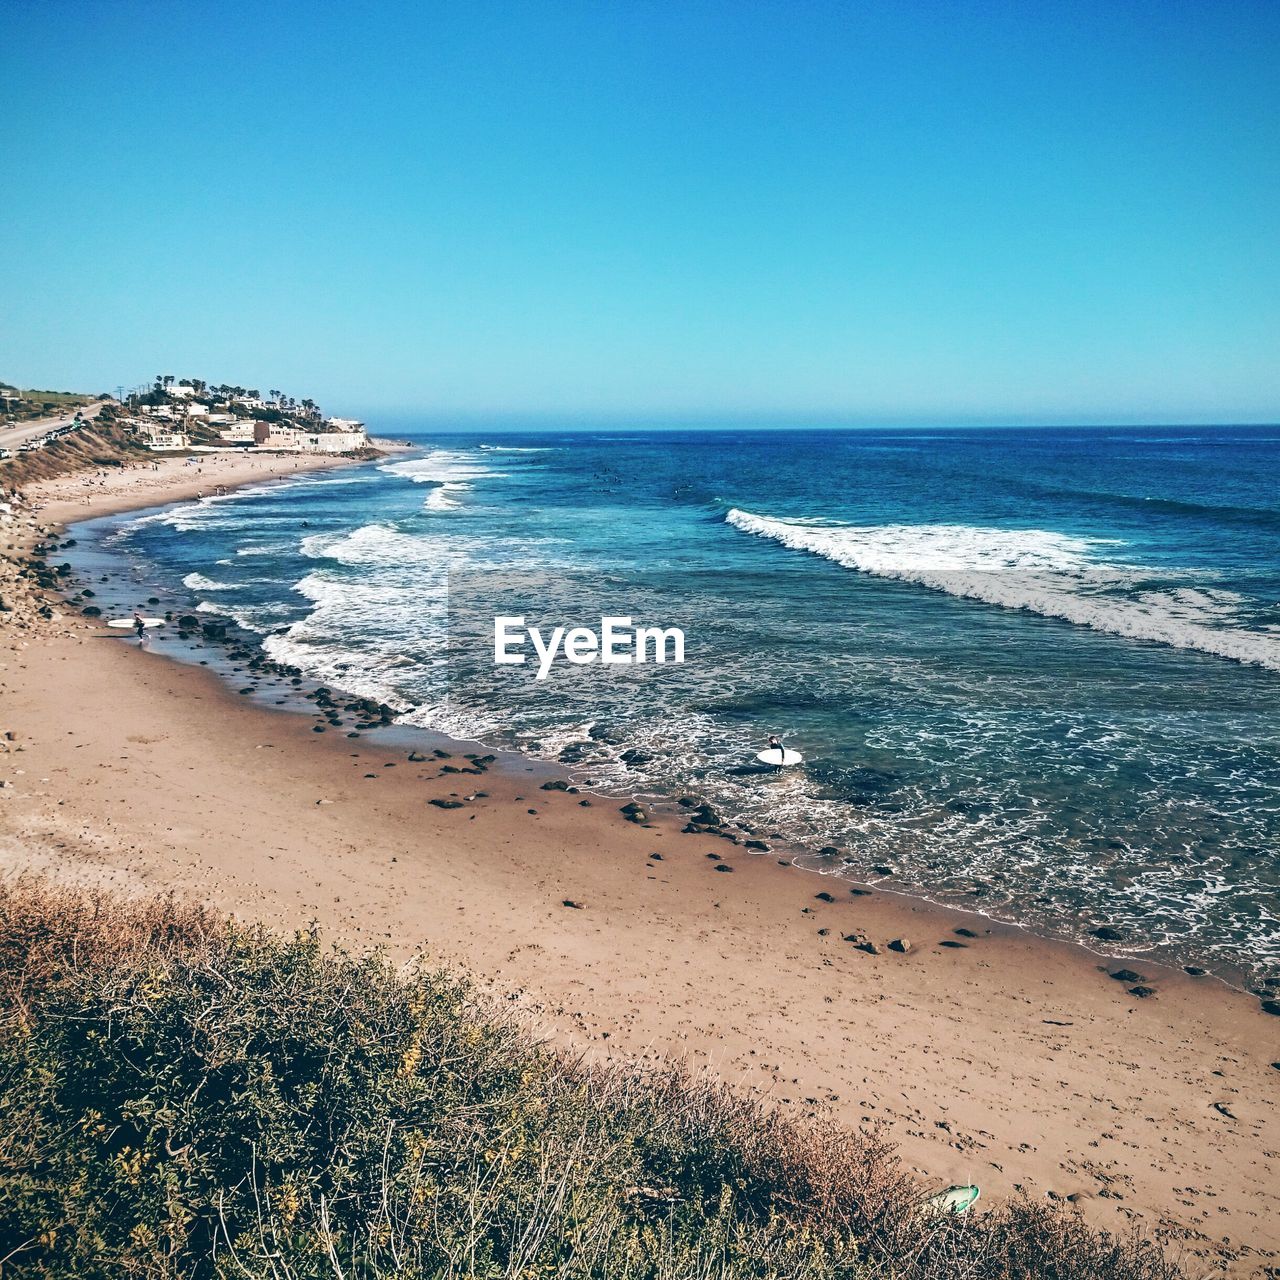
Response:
column 779, row 757
column 129, row 622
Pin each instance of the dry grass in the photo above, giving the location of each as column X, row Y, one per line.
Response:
column 183, row 1097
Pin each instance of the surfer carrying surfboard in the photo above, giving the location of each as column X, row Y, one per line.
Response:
column 139, row 627
column 777, row 755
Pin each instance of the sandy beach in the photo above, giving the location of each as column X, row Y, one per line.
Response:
column 993, row 1056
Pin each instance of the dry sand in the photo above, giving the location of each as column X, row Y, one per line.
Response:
column 1008, row 1061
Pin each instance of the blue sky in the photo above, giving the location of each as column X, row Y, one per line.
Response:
column 866, row 213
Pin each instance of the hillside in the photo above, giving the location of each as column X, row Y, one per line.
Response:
column 103, row 443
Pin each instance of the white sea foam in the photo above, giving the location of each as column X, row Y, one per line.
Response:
column 360, row 632
column 260, row 618
column 1051, row 574
column 198, row 582
column 441, row 465
column 439, row 498
column 371, row 545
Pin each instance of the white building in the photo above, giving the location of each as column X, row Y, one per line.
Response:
column 239, row 430
column 197, row 410
column 290, row 440
column 162, row 441
column 183, row 392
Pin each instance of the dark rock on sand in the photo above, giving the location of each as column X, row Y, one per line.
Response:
column 869, row 947
column 756, row 844
column 555, row 784
column 1272, row 1007
column 882, row 871
column 584, row 804
column 722, row 866
column 952, row 943
column 828, row 849
column 1194, row 970
column 1142, row 992
column 1126, row 975
column 1106, row 934
column 824, row 897
column 900, row 945
column 446, row 804
column 416, row 757
column 569, row 902
column 964, row 933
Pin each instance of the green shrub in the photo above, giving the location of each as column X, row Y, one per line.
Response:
column 181, row 1096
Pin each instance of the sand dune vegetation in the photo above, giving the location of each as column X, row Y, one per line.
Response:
column 184, row 1096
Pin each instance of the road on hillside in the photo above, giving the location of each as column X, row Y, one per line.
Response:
column 16, row 437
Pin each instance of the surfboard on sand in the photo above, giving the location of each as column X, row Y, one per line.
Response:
column 779, row 757
column 129, row 622
column 954, row 1199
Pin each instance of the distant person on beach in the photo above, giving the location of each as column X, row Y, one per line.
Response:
column 139, row 628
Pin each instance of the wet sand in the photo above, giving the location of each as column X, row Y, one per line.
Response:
column 1000, row 1058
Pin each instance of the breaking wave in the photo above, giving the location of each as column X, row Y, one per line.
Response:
column 1034, row 570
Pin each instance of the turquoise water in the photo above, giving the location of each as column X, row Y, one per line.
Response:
column 1034, row 672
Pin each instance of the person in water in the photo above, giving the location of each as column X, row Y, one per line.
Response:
column 775, row 744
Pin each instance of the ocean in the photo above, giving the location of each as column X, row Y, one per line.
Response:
column 1032, row 672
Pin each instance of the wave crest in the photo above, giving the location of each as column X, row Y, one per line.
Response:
column 1034, row 570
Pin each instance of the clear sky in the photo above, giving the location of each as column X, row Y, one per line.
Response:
column 864, row 212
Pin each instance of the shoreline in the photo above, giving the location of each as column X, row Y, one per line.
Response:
column 975, row 1053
